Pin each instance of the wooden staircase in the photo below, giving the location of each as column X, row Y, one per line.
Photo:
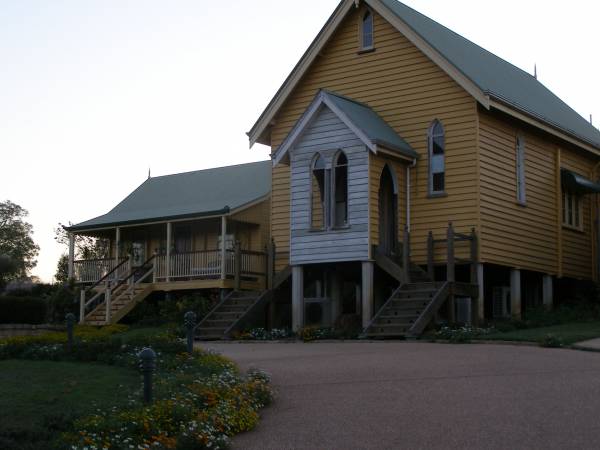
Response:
column 121, row 294
column 414, row 304
column 234, row 306
column 238, row 309
column 122, row 302
column 408, row 310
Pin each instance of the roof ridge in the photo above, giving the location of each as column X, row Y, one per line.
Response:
column 207, row 169
column 343, row 97
column 457, row 35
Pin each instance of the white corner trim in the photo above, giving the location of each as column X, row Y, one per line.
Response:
column 307, row 118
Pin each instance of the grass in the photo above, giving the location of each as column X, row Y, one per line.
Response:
column 568, row 333
column 39, row 395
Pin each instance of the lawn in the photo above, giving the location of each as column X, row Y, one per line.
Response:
column 568, row 333
column 35, row 395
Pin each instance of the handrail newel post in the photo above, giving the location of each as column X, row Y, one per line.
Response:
column 450, row 273
column 107, row 303
column 237, row 266
column 406, row 255
column 82, row 306
column 430, row 250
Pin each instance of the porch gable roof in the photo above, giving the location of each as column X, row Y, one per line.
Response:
column 365, row 123
column 191, row 194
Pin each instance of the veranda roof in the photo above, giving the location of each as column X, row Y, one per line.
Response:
column 191, row 194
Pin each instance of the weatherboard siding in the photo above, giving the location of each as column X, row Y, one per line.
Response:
column 578, row 246
column 327, row 134
column 408, row 91
column 529, row 236
column 512, row 234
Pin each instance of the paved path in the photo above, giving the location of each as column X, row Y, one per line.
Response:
column 592, row 344
column 396, row 395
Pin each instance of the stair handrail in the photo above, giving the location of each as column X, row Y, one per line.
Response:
column 217, row 306
column 435, row 303
column 278, row 280
column 107, row 275
column 387, row 302
column 133, row 271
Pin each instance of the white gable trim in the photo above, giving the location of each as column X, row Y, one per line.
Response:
column 266, row 118
column 307, row 118
column 317, row 45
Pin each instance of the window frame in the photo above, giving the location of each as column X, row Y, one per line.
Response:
column 575, row 211
column 521, row 170
column 431, row 135
column 324, row 196
column 334, row 186
column 361, row 34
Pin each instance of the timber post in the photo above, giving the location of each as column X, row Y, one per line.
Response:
column 237, row 266
column 82, row 306
column 430, row 267
column 406, row 255
column 107, row 303
column 270, row 264
column 450, row 274
column 475, row 278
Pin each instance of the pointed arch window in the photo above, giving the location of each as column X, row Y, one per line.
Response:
column 437, row 158
column 340, row 190
column 366, row 31
column 520, row 164
column 318, row 193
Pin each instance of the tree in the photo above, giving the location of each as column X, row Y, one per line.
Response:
column 86, row 247
column 16, row 243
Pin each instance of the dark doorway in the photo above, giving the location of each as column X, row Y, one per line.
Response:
column 388, row 206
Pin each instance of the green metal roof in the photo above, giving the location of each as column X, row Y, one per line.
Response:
column 369, row 122
column 496, row 77
column 198, row 193
column 577, row 183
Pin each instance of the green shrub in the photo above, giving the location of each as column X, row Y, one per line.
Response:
column 551, row 341
column 27, row 310
column 61, row 300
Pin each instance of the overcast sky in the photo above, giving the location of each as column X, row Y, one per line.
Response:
column 94, row 93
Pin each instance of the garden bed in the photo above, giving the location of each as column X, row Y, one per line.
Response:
column 200, row 400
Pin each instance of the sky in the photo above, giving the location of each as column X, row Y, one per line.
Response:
column 94, row 94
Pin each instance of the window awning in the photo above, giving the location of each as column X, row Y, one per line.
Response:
column 576, row 183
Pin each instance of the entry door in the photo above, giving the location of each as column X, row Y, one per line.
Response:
column 138, row 253
column 388, row 234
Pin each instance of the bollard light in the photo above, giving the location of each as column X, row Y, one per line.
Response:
column 70, row 319
column 189, row 320
column 148, row 365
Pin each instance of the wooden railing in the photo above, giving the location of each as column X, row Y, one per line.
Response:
column 92, row 270
column 207, row 264
column 452, row 238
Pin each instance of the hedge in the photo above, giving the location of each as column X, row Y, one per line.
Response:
column 28, row 310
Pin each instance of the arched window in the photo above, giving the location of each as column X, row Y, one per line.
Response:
column 340, row 177
column 318, row 193
column 437, row 164
column 366, row 31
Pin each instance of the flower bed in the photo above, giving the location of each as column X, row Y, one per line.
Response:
column 201, row 400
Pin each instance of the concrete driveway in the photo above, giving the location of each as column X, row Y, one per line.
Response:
column 398, row 395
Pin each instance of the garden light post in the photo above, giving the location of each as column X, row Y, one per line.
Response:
column 148, row 364
column 70, row 319
column 189, row 320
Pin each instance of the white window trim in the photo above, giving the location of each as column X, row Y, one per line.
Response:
column 430, row 137
column 361, row 40
column 568, row 214
column 520, row 163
